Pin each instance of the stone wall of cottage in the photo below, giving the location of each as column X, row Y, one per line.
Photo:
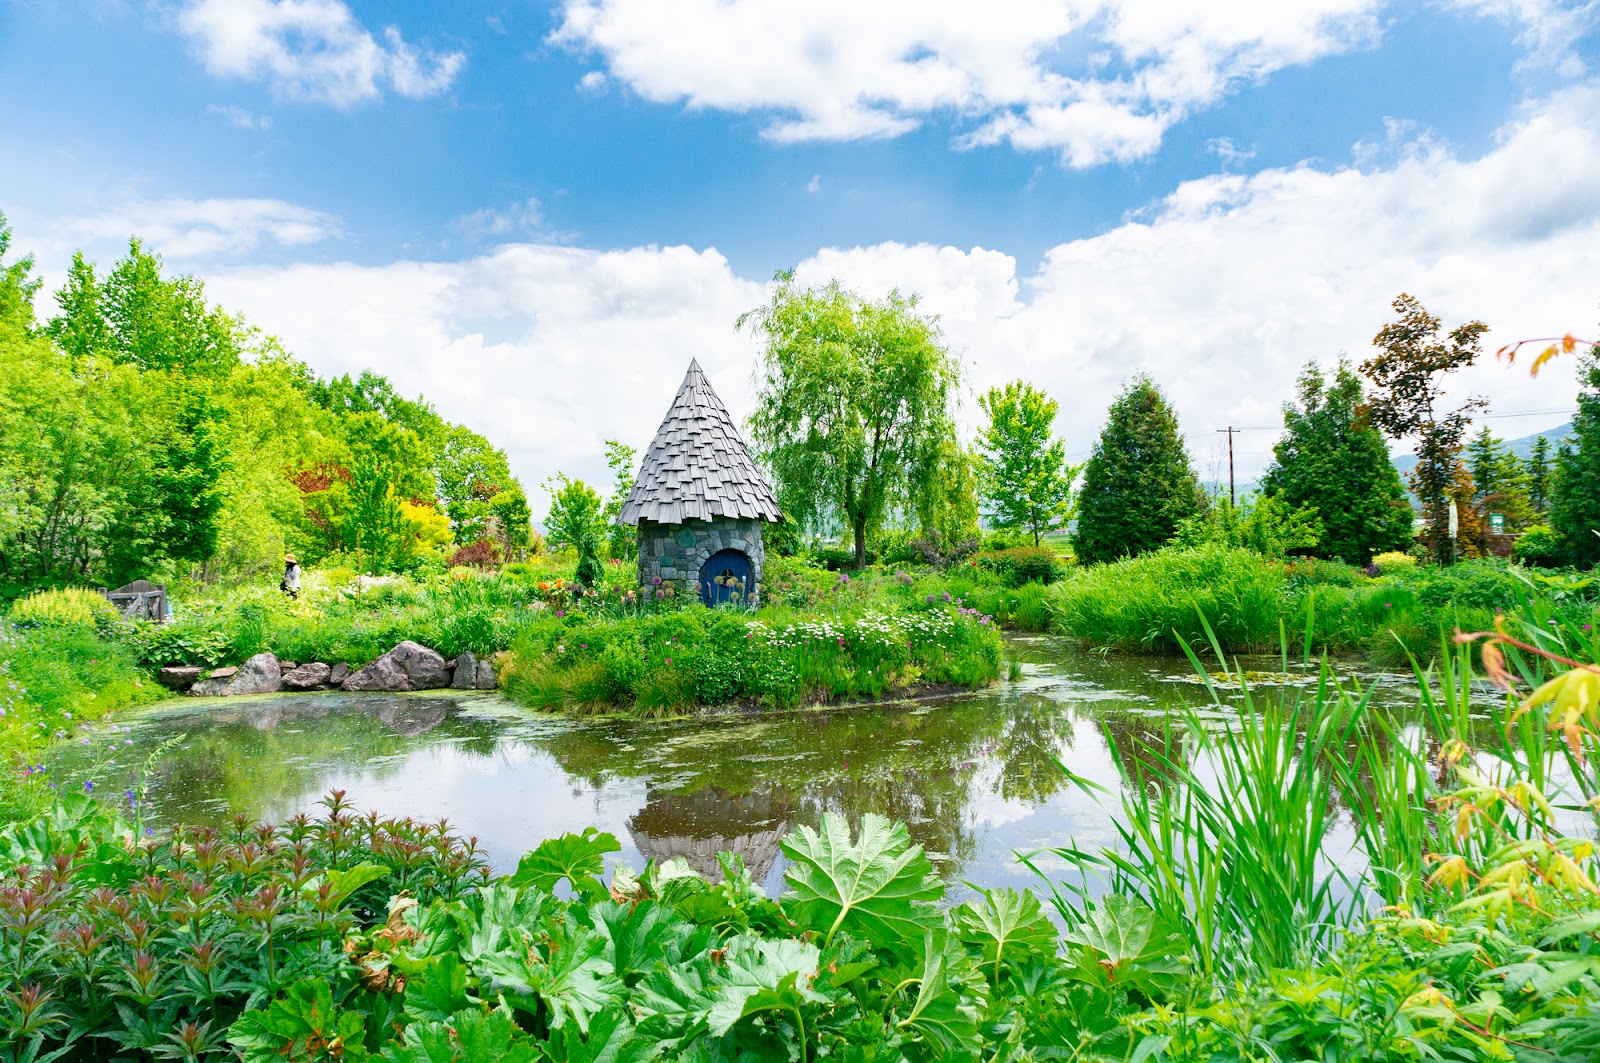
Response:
column 676, row 551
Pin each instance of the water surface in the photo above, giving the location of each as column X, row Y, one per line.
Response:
column 975, row 776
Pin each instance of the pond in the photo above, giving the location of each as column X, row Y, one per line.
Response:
column 975, row 776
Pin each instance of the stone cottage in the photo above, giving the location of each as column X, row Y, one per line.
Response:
column 700, row 503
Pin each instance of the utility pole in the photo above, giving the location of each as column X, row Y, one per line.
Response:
column 1230, row 430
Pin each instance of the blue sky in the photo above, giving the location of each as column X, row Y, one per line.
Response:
column 536, row 213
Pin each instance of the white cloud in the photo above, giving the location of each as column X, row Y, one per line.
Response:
column 312, row 50
column 815, row 184
column 241, row 118
column 197, row 228
column 1097, row 80
column 519, row 219
column 1550, row 29
column 1222, row 291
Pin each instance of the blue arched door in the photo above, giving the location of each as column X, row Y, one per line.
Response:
column 726, row 577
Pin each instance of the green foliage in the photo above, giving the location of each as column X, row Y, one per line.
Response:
column 1408, row 376
column 1537, row 547
column 1330, row 460
column 1393, row 561
column 1266, row 524
column 1500, row 480
column 1027, row 482
column 853, row 410
column 1138, row 486
column 1575, row 492
column 878, row 886
column 622, row 540
column 146, row 944
column 69, row 605
column 1021, row 564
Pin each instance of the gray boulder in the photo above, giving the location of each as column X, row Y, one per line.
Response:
column 178, row 677
column 307, row 676
column 409, row 666
column 383, row 674
column 339, row 674
column 486, row 676
column 466, row 675
column 261, row 674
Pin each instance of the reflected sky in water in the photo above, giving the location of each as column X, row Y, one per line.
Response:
column 974, row 776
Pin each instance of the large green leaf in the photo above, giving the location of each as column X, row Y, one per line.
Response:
column 763, row 976
column 578, row 858
column 945, row 1011
column 611, row 1039
column 569, row 973
column 636, row 936
column 880, row 887
column 468, row 1037
column 1005, row 923
column 302, row 1024
column 1128, row 943
column 436, row 987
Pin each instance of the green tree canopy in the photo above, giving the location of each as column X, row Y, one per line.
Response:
column 1499, row 479
column 622, row 540
column 1539, row 470
column 1408, row 379
column 1025, row 478
column 1138, row 485
column 854, row 404
column 1332, row 461
column 1575, row 492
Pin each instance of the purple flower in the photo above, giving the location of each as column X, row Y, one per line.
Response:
column 656, row 580
column 1388, row 605
column 930, row 599
column 88, row 787
column 669, row 660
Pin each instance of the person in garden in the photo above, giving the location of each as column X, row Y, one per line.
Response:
column 290, row 584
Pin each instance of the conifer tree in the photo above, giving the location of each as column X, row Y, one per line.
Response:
column 1330, row 460
column 1138, row 484
column 1499, row 479
column 1575, row 491
column 1539, row 475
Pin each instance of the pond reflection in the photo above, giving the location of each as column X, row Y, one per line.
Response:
column 975, row 777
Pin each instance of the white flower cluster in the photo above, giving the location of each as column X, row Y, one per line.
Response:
column 888, row 629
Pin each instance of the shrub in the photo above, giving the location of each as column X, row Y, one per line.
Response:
column 484, row 553
column 69, row 605
column 151, row 943
column 1537, row 547
column 1151, row 602
column 1021, row 564
column 1393, row 561
column 836, row 558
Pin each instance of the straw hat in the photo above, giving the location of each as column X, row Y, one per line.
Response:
column 289, row 559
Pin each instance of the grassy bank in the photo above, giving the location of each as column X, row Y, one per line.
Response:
column 1226, row 923
column 1154, row 603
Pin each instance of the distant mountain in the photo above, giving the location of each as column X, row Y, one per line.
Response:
column 1522, row 448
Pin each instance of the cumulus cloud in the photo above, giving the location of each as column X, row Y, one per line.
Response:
column 1221, row 291
column 311, row 50
column 1097, row 80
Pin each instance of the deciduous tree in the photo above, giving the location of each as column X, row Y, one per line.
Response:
column 1408, row 377
column 853, row 406
column 1026, row 481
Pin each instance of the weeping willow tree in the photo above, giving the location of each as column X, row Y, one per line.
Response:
column 854, row 404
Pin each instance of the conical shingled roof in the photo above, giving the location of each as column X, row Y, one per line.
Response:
column 698, row 468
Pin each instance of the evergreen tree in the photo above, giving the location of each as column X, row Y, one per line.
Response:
column 1499, row 479
column 1330, row 460
column 1539, row 475
column 1575, row 490
column 1138, row 485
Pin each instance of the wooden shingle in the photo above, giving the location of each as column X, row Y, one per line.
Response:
column 697, row 466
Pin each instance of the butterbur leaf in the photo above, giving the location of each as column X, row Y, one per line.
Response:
column 468, row 1037
column 634, row 935
column 672, row 1002
column 578, row 858
column 570, row 975
column 880, row 887
column 611, row 1039
column 945, row 1010
column 342, row 884
column 1005, row 923
column 436, row 988
column 764, row 976
column 1132, row 943
column 302, row 1024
